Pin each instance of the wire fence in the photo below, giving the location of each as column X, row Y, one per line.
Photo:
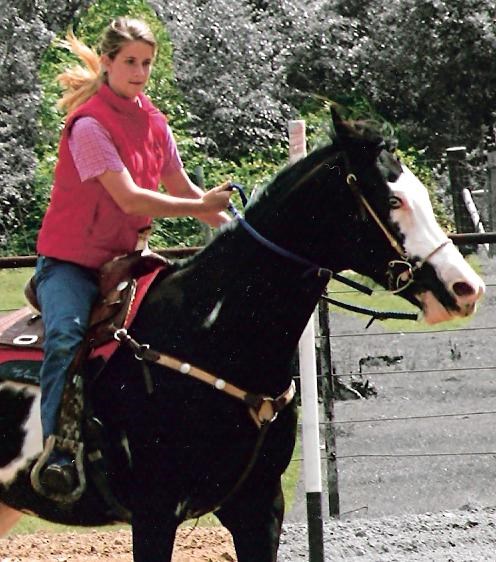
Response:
column 432, row 416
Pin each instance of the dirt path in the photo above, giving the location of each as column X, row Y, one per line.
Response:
column 199, row 545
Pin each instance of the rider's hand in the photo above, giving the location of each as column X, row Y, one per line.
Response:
column 217, row 198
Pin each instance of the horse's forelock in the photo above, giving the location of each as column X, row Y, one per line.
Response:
column 367, row 134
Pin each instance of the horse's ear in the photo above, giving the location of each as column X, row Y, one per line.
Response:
column 362, row 134
column 391, row 144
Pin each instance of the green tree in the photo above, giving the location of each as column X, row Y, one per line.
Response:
column 426, row 65
column 230, row 72
column 26, row 28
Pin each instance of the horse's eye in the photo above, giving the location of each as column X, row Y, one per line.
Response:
column 395, row 202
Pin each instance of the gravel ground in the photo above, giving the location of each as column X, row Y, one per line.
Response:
column 467, row 535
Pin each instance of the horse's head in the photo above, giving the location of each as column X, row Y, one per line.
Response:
column 415, row 258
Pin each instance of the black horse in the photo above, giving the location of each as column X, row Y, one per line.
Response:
column 235, row 311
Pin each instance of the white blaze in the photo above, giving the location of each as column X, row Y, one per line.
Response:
column 423, row 236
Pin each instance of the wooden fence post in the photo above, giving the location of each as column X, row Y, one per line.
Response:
column 327, row 386
column 457, row 174
column 491, row 165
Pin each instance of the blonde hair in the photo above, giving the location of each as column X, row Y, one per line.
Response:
column 80, row 83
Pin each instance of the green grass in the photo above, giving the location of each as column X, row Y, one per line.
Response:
column 383, row 301
column 28, row 525
column 12, row 283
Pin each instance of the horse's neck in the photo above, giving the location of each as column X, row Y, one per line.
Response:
column 242, row 311
column 268, row 292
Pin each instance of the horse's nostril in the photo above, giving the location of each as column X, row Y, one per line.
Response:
column 462, row 289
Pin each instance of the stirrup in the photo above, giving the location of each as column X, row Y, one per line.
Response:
column 76, row 449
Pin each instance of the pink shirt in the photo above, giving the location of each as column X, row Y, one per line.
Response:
column 94, row 152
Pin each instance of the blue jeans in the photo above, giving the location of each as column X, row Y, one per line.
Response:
column 66, row 293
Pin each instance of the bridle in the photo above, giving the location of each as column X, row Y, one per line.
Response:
column 400, row 272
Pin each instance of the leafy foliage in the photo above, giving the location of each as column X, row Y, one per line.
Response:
column 25, row 31
column 231, row 74
column 427, row 66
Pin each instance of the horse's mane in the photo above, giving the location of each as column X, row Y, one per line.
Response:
column 294, row 176
column 366, row 132
column 290, row 175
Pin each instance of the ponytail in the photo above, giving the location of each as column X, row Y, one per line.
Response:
column 79, row 82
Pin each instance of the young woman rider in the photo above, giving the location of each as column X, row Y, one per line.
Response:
column 115, row 150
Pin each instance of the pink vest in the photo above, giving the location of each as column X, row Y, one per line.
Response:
column 82, row 223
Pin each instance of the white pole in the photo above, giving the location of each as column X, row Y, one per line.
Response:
column 309, row 396
column 310, row 415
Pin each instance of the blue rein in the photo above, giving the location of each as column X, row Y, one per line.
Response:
column 311, row 267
